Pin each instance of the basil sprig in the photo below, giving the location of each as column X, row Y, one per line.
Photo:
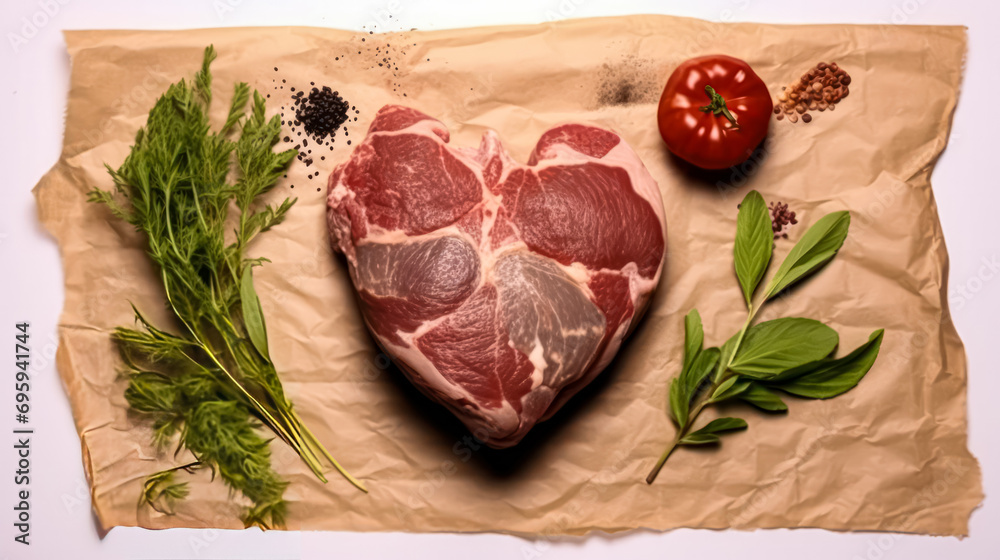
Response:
column 790, row 355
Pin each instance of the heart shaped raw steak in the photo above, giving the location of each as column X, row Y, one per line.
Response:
column 500, row 289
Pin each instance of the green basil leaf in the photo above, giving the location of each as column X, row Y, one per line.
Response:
column 725, row 356
column 679, row 402
column 754, row 243
column 699, row 370
column 694, row 336
column 772, row 347
column 830, row 378
column 253, row 314
column 797, row 371
column 722, row 425
column 819, row 244
column 698, row 439
column 709, row 434
column 729, row 389
column 684, row 387
column 763, row 398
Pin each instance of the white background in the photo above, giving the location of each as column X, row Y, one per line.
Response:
column 34, row 85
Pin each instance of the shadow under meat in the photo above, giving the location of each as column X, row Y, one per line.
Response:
column 501, row 464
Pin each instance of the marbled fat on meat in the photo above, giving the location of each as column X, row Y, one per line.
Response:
column 500, row 289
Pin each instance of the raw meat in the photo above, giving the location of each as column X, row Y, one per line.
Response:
column 500, row 289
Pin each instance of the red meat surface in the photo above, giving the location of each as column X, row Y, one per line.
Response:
column 501, row 289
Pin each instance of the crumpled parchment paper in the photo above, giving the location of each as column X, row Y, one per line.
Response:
column 890, row 455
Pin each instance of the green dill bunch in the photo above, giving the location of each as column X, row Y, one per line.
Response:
column 211, row 387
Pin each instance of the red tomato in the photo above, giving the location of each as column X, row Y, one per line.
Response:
column 714, row 111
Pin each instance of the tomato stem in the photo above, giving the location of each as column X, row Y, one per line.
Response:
column 718, row 106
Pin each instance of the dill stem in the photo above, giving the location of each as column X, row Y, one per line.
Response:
column 282, row 430
column 312, row 438
column 297, row 444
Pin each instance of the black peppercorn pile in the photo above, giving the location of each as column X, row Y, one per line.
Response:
column 320, row 115
column 315, row 115
column 321, row 112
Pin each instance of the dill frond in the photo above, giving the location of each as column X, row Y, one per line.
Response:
column 212, row 385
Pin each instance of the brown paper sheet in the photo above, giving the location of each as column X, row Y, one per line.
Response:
column 890, row 455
